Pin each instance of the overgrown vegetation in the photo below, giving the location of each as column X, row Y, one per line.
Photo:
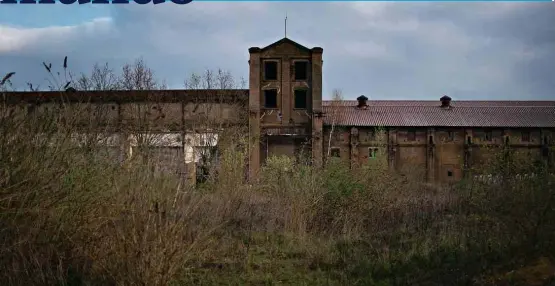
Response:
column 71, row 215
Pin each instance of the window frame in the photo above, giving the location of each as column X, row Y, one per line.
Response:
column 305, row 98
column 265, row 73
column 487, row 138
column 450, row 136
column 306, row 70
column 525, row 135
column 265, row 91
column 335, row 150
column 373, row 152
column 411, row 133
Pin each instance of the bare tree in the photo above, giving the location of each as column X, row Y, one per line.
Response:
column 101, row 78
column 139, row 76
column 210, row 115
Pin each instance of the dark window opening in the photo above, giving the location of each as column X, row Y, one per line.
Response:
column 449, row 173
column 468, row 140
column 270, row 70
column 411, row 135
column 270, row 98
column 372, row 152
column 545, row 140
column 300, row 99
column 450, row 136
column 301, row 70
column 525, row 136
column 488, row 135
column 507, row 140
column 335, row 152
column 431, row 140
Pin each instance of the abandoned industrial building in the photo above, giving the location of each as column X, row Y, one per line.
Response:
column 438, row 140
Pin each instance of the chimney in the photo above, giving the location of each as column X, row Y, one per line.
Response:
column 362, row 101
column 445, row 101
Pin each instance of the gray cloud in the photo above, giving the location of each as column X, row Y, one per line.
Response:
column 382, row 50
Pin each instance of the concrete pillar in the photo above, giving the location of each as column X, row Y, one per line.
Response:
column 254, row 112
column 317, row 120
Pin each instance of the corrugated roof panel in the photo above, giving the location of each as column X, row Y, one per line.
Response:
column 487, row 115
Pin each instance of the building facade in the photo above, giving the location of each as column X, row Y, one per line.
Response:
column 437, row 141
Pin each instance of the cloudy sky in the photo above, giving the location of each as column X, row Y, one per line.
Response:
column 382, row 50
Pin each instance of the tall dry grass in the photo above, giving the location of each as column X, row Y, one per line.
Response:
column 73, row 214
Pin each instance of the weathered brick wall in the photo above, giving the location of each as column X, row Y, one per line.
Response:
column 445, row 154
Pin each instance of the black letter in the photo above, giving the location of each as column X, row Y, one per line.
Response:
column 158, row 1
column 8, row 1
column 120, row 1
column 100, row 2
column 27, row 2
column 182, row 2
column 47, row 2
column 142, row 2
column 67, row 2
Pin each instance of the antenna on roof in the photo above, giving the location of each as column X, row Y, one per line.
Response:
column 286, row 24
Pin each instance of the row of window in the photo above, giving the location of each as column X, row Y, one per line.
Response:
column 486, row 137
column 300, row 97
column 372, row 152
column 411, row 136
column 271, row 70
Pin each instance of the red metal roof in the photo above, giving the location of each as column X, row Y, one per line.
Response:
column 429, row 114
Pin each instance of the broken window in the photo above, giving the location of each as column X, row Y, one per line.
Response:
column 335, row 152
column 301, row 70
column 411, row 135
column 372, row 152
column 300, row 98
column 449, row 173
column 270, row 70
column 270, row 98
column 525, row 136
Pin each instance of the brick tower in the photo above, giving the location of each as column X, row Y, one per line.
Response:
column 285, row 103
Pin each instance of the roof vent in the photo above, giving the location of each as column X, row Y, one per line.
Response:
column 445, row 101
column 362, row 102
